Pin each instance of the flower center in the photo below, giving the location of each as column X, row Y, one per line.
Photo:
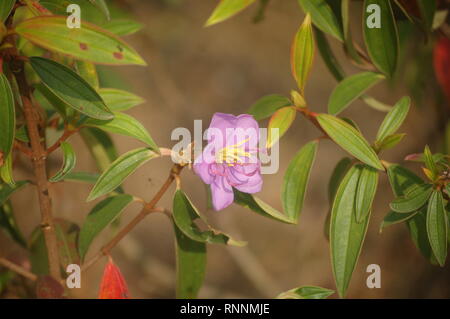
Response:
column 233, row 154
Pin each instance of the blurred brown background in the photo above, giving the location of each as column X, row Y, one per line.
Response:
column 194, row 72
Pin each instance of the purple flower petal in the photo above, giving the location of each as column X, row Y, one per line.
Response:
column 221, row 193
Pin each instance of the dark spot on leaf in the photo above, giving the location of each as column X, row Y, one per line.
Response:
column 119, row 47
column 83, row 46
column 118, row 55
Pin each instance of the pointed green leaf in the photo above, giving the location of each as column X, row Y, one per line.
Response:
column 365, row 194
column 6, row 171
column 413, row 200
column 103, row 214
column 185, row 216
column 88, row 72
column 89, row 43
column 437, row 226
column 389, row 141
column 394, row 119
column 7, row 190
column 349, row 139
column 381, row 41
column 427, row 12
column 296, row 180
column 5, row 9
column 328, row 56
column 306, row 292
column 69, row 162
column 346, row 235
column 393, row 218
column 268, row 105
column 9, row 224
column 119, row 100
column 102, row 6
column 71, row 88
column 260, row 207
column 323, row 17
column 429, row 162
column 279, row 123
column 226, row 9
column 7, row 117
column 100, row 146
column 337, row 175
column 402, row 180
column 302, row 53
column 191, row 265
column 122, row 27
column 348, row 39
column 124, row 124
column 119, row 170
column 350, row 89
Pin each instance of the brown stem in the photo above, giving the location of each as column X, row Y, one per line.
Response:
column 40, row 172
column 67, row 133
column 17, row 269
column 23, row 148
column 147, row 209
column 312, row 117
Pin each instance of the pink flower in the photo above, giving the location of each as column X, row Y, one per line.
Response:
column 229, row 160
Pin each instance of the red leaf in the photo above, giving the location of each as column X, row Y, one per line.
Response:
column 113, row 284
column 442, row 64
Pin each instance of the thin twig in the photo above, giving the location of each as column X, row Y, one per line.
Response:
column 67, row 133
column 17, row 269
column 147, row 209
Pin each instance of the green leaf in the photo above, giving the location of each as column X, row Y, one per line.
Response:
column 71, row 88
column 84, row 177
column 402, row 182
column 185, row 216
column 394, row 119
column 191, row 265
column 427, row 12
column 119, row 170
column 122, row 27
column 70, row 160
column 5, row 9
column 393, row 218
column 306, row 292
column 389, row 141
column 382, row 43
column 124, row 124
column 48, row 100
column 429, row 162
column 6, row 171
column 366, row 190
column 349, row 139
column 279, row 123
column 88, row 72
column 348, row 40
column 100, row 145
column 296, row 180
column 260, row 207
column 9, row 224
column 268, row 105
column 437, row 226
column 89, row 43
column 226, row 9
column 413, row 200
column 351, row 88
column 338, row 174
column 323, row 17
column 302, row 53
column 103, row 214
column 102, row 6
column 119, row 100
column 346, row 234
column 328, row 56
column 7, row 190
column 7, row 118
